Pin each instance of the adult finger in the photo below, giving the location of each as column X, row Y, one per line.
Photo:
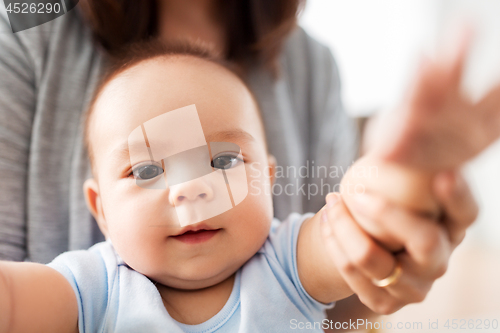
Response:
column 362, row 250
column 423, row 238
column 377, row 299
column 460, row 207
column 412, row 286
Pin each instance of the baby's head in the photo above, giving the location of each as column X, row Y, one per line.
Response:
column 143, row 222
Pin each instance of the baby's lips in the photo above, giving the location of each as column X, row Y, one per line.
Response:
column 194, row 228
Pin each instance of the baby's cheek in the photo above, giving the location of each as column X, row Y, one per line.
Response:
column 131, row 230
column 139, row 249
column 253, row 223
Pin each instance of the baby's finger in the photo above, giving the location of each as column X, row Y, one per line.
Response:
column 457, row 53
column 460, row 207
column 488, row 109
column 361, row 250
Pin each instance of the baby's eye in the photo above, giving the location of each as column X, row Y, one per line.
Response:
column 226, row 161
column 147, row 171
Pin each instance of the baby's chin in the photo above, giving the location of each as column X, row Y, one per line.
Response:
column 193, row 281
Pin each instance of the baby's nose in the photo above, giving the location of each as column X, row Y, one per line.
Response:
column 190, row 191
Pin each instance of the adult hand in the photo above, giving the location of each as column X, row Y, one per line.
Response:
column 427, row 243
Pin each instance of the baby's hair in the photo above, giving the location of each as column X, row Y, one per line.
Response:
column 143, row 51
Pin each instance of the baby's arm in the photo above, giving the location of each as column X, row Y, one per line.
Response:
column 35, row 298
column 317, row 271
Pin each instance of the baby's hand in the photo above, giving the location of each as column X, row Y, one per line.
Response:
column 437, row 126
column 373, row 181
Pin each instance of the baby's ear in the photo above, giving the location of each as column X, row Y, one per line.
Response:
column 93, row 199
column 271, row 160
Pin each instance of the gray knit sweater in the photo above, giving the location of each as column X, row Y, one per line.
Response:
column 47, row 77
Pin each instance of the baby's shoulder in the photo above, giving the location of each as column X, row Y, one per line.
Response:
column 95, row 266
column 99, row 253
column 94, row 277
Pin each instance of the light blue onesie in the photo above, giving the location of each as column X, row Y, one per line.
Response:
column 267, row 295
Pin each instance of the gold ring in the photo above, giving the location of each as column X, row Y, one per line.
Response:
column 391, row 279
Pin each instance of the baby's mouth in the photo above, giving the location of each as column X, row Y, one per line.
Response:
column 193, row 235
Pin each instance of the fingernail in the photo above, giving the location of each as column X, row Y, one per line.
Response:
column 325, row 227
column 331, row 199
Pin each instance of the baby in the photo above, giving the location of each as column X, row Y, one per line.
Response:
column 171, row 264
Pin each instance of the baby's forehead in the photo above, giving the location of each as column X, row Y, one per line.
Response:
column 176, row 81
column 164, row 84
column 158, row 86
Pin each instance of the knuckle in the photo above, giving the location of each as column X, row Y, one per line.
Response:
column 430, row 241
column 458, row 239
column 420, row 297
column 474, row 213
column 426, row 249
column 347, row 267
column 465, row 205
column 364, row 256
column 441, row 270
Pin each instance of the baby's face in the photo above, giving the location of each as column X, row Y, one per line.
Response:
column 144, row 223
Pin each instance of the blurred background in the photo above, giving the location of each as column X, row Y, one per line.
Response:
column 377, row 45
